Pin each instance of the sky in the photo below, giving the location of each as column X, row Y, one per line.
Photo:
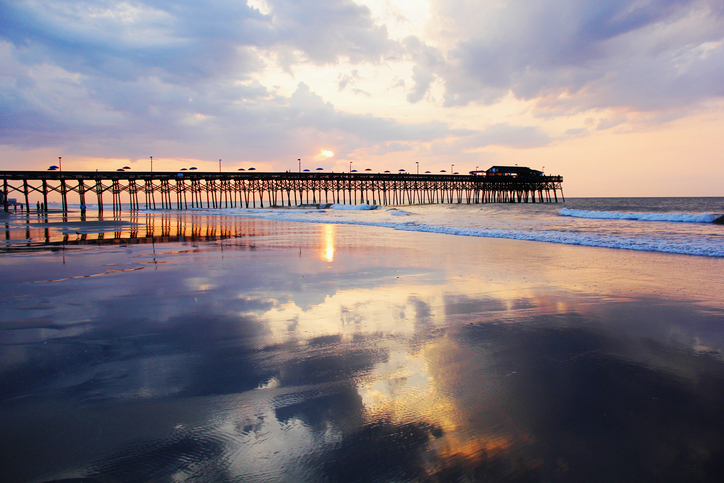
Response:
column 620, row 97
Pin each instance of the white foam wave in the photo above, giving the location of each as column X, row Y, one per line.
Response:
column 616, row 215
column 360, row 207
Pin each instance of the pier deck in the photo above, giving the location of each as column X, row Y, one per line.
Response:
column 194, row 189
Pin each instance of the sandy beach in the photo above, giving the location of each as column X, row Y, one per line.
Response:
column 205, row 348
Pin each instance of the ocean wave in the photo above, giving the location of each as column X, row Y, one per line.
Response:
column 616, row 215
column 649, row 244
column 360, row 207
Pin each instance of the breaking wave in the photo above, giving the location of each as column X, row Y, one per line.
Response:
column 616, row 215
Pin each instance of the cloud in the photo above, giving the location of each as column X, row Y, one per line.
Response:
column 608, row 123
column 348, row 79
column 191, row 80
column 187, row 40
column 45, row 105
column 427, row 59
column 576, row 132
column 101, row 76
column 423, row 79
column 181, row 42
column 327, row 30
column 392, row 147
column 351, row 81
column 504, row 134
column 576, row 55
column 308, row 110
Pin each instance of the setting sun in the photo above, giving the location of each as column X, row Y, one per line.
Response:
column 327, row 154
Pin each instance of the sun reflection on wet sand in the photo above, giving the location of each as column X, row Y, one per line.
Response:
column 330, row 232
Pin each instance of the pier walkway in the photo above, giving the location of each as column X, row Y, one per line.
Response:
column 252, row 189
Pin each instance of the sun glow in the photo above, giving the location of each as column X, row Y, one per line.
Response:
column 327, row 154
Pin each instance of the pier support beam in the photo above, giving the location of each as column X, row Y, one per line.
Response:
column 5, row 196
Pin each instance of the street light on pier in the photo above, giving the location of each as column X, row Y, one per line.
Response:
column 219, row 166
column 418, row 166
column 60, row 164
column 300, row 164
column 350, row 166
column 451, row 168
column 152, row 164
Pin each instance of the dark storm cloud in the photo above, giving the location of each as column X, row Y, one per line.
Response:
column 643, row 55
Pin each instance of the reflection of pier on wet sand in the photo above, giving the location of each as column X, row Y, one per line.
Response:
column 184, row 190
column 28, row 233
column 57, row 231
column 101, row 239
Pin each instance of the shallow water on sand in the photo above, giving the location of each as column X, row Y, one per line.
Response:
column 225, row 349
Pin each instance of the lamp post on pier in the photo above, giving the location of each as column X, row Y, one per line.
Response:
column 418, row 166
column 60, row 163
column 350, row 167
column 219, row 166
column 300, row 164
column 451, row 168
column 152, row 164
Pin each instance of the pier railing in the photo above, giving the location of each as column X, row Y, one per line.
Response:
column 194, row 189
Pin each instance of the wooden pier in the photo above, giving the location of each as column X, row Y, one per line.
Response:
column 252, row 189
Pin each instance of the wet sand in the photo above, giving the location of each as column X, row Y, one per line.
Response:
column 301, row 352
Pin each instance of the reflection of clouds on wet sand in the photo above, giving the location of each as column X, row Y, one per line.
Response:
column 330, row 360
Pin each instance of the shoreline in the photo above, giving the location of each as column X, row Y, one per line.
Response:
column 700, row 277
column 409, row 218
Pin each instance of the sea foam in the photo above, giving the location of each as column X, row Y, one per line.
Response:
column 360, row 207
column 616, row 215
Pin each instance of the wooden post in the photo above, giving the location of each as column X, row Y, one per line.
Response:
column 25, row 191
column 99, row 195
column 45, row 196
column 5, row 195
column 81, row 192
column 63, row 195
